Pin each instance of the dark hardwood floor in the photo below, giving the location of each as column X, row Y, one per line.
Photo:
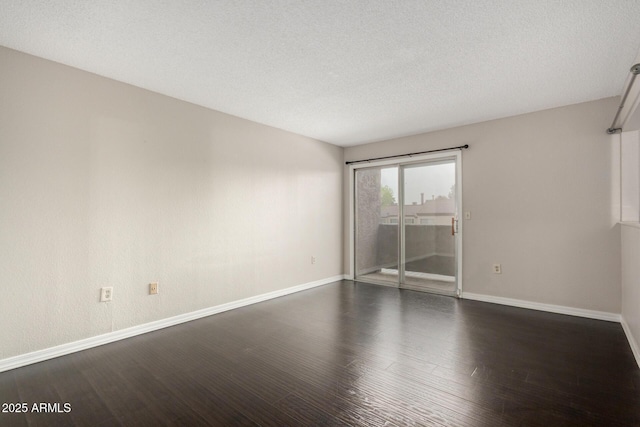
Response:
column 346, row 354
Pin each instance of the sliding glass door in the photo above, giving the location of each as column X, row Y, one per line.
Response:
column 406, row 225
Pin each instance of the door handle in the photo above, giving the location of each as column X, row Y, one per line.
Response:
column 453, row 226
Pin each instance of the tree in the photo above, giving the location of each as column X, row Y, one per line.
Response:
column 451, row 195
column 387, row 197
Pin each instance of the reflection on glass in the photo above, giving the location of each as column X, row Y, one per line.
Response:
column 429, row 246
column 376, row 237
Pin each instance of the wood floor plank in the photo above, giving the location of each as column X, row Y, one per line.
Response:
column 346, row 354
column 87, row 405
column 305, row 413
column 241, row 399
column 212, row 408
column 38, row 391
column 431, row 403
column 9, row 395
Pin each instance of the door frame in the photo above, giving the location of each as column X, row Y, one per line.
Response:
column 425, row 158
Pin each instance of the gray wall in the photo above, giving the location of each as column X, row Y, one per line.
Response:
column 630, row 231
column 631, row 284
column 539, row 188
column 105, row 184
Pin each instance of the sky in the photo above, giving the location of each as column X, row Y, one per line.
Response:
column 433, row 180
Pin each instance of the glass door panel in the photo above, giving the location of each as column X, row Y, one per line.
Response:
column 428, row 215
column 377, row 225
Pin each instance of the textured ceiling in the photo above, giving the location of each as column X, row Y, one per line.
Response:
column 346, row 72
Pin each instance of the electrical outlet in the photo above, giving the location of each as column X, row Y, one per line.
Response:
column 497, row 269
column 313, row 260
column 106, row 294
column 153, row 288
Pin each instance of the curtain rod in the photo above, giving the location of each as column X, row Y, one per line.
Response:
column 635, row 70
column 409, row 154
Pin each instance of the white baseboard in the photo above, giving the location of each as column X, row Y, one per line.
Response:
column 632, row 341
column 560, row 309
column 72, row 347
